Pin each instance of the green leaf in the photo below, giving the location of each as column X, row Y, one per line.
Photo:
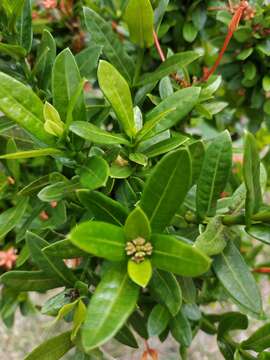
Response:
column 158, row 320
column 117, row 91
column 139, row 16
column 57, row 191
column 29, row 281
column 94, row 173
column 102, row 35
column 259, row 340
column 140, row 273
column 137, row 225
column 12, row 217
column 138, row 158
column 46, row 53
column 182, row 101
column 96, row 135
column 24, row 26
column 15, row 51
column 197, row 151
column 214, row 174
column 171, row 254
column 163, row 192
column 165, row 288
column 189, row 32
column 171, row 65
column 251, row 173
column 260, row 232
column 32, row 154
column 103, row 207
column 232, row 321
column 213, row 240
column 65, row 82
column 52, row 349
column 112, row 303
column 20, row 104
column 13, row 166
column 100, row 239
column 181, row 329
column 266, row 83
column 126, row 337
column 234, row 275
column 47, row 263
column 63, row 249
column 53, row 124
column 87, row 60
column 78, row 318
column 165, row 146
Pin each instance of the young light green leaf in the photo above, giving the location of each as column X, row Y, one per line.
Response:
column 259, row 340
column 234, row 275
column 52, row 349
column 213, row 240
column 140, row 273
column 53, row 123
column 164, row 192
column 94, row 173
column 158, row 320
column 102, row 35
column 103, row 207
column 65, row 82
column 251, row 173
column 32, row 154
column 112, row 303
column 139, row 16
column 100, row 239
column 171, row 65
column 165, row 288
column 117, row 91
column 214, row 174
column 78, row 318
column 137, row 225
column 20, row 104
column 93, row 133
column 172, row 254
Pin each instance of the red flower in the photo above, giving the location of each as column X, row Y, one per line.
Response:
column 8, row 258
column 49, row 4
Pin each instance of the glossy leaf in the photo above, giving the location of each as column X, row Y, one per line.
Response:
column 171, row 254
column 112, row 303
column 137, row 225
column 20, row 104
column 32, row 154
column 164, row 191
column 117, row 92
column 47, row 263
column 165, row 146
column 103, row 207
column 63, row 249
column 214, row 174
column 260, row 232
column 87, row 59
column 171, row 65
column 94, row 173
column 96, row 135
column 126, row 337
column 65, row 82
column 29, row 281
column 259, row 340
column 25, row 26
column 139, row 16
column 251, row 173
column 140, row 273
column 100, row 239
column 158, row 320
column 234, row 275
column 181, row 329
column 12, row 217
column 52, row 349
column 165, row 288
column 102, row 35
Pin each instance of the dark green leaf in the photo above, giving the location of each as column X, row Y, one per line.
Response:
column 11, row 217
column 260, row 232
column 87, row 60
column 63, row 249
column 259, row 340
column 181, row 329
column 158, row 320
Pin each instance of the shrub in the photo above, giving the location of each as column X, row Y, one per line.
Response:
column 128, row 178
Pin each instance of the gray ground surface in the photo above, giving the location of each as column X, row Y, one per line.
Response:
column 15, row 343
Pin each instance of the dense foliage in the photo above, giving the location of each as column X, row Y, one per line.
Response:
column 133, row 180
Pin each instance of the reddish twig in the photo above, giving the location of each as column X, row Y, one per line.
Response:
column 262, row 270
column 242, row 10
column 158, row 47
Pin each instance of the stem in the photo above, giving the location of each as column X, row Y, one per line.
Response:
column 262, row 270
column 158, row 47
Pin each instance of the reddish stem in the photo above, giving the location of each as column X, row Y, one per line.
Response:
column 158, row 47
column 262, row 270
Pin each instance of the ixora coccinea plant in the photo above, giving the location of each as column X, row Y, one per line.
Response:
column 154, row 219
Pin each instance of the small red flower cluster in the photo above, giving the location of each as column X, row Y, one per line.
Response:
column 49, row 4
column 8, row 258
